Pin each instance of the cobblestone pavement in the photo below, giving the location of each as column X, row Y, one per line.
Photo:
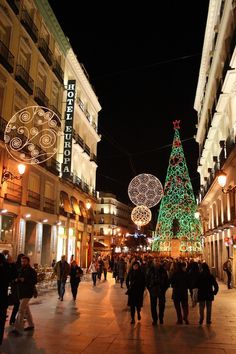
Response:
column 99, row 322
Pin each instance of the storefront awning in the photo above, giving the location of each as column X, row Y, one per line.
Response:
column 99, row 244
column 75, row 206
column 83, row 209
column 65, row 202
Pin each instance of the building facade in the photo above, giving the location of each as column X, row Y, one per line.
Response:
column 44, row 214
column 215, row 103
column 113, row 223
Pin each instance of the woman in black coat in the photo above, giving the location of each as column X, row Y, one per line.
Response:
column 135, row 283
column 207, row 288
column 75, row 277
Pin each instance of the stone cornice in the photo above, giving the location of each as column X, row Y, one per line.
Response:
column 74, row 65
column 53, row 25
column 212, row 18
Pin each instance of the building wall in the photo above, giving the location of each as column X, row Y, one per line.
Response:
column 214, row 103
column 113, row 221
column 36, row 60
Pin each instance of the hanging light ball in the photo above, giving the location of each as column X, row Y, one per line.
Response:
column 145, row 189
column 141, row 215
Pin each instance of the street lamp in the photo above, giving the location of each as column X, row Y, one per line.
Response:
column 221, row 178
column 7, row 175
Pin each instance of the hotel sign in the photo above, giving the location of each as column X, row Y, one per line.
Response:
column 68, row 133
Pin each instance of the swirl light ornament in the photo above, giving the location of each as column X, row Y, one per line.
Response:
column 145, row 189
column 141, row 215
column 32, row 135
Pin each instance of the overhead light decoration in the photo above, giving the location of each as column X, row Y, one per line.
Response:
column 141, row 215
column 31, row 135
column 146, row 190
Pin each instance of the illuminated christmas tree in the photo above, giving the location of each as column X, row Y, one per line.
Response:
column 178, row 231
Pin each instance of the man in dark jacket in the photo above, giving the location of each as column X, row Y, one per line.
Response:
column 7, row 274
column 62, row 270
column 27, row 278
column 157, row 283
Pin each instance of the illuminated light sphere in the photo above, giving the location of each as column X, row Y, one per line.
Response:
column 145, row 189
column 141, row 215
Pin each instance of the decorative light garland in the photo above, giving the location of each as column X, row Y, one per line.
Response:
column 31, row 135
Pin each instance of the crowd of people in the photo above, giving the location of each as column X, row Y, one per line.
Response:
column 138, row 272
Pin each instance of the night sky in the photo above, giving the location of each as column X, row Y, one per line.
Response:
column 143, row 64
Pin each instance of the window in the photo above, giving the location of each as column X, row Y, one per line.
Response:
column 45, row 34
column 49, row 191
column 20, row 101
column 24, row 58
column 101, row 231
column 5, row 34
column 34, row 183
column 7, row 228
column 3, row 82
column 55, row 95
column 42, row 78
column 102, row 210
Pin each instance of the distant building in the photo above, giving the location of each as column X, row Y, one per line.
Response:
column 113, row 222
column 215, row 103
column 44, row 214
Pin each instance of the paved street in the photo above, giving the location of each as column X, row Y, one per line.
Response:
column 99, row 322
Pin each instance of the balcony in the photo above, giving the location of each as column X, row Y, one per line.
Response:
column 15, row 5
column 3, row 124
column 78, row 139
column 87, row 149
column 55, row 110
column 53, row 166
column 93, row 158
column 6, row 58
column 45, row 51
column 14, row 192
column 33, row 200
column 49, row 205
column 40, row 97
column 29, row 25
column 24, row 79
column 58, row 72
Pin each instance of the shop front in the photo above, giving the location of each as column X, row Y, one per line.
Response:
column 7, row 227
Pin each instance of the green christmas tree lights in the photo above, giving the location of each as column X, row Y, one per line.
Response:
column 176, row 219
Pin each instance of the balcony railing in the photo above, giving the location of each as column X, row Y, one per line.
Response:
column 3, row 124
column 49, row 205
column 14, row 192
column 40, row 97
column 33, row 200
column 78, row 139
column 44, row 49
column 87, row 149
column 53, row 166
column 15, row 5
column 58, row 72
column 24, row 79
column 29, row 25
column 93, row 157
column 6, row 58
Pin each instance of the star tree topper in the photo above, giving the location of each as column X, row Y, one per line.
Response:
column 176, row 124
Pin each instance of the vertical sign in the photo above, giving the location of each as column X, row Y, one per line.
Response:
column 68, row 133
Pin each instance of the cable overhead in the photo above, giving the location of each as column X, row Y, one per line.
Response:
column 161, row 62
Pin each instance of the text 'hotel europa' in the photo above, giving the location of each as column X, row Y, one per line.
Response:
column 68, row 133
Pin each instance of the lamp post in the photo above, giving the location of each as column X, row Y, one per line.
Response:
column 7, row 175
column 221, row 178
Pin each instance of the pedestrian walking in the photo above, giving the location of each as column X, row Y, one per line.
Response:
column 180, row 285
column 100, row 267
column 75, row 277
column 157, row 283
column 121, row 267
column 27, row 278
column 15, row 292
column 135, row 283
column 207, row 288
column 105, row 267
column 227, row 267
column 62, row 270
column 93, row 268
column 7, row 274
